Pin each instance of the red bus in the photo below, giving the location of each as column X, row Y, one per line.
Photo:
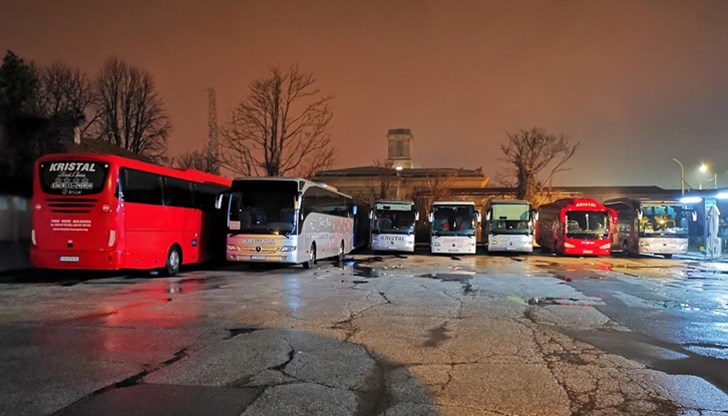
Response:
column 575, row 226
column 106, row 212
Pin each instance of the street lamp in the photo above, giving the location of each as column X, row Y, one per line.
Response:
column 682, row 177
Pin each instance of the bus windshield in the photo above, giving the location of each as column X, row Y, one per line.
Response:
column 586, row 225
column 510, row 218
column 663, row 220
column 263, row 207
column 453, row 220
column 73, row 177
column 394, row 222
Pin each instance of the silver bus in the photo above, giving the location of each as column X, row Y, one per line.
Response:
column 453, row 226
column 393, row 226
column 509, row 226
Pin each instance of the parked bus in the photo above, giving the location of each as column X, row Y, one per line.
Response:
column 106, row 212
column 453, row 227
column 650, row 227
column 509, row 226
column 393, row 226
column 574, row 226
column 289, row 220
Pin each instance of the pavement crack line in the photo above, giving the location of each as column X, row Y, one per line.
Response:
column 135, row 378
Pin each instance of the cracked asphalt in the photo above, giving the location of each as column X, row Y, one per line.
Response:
column 377, row 335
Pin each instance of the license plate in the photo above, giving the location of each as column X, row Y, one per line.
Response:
column 257, row 257
column 588, row 251
column 69, row 259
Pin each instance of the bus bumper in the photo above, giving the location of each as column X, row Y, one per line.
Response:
column 74, row 260
column 285, row 258
column 500, row 243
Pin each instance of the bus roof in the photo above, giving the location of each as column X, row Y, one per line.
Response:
column 453, row 203
column 179, row 173
column 303, row 183
column 508, row 201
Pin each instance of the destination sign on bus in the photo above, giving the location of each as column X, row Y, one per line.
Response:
column 393, row 206
column 73, row 178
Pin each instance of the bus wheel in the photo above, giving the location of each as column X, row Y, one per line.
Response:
column 174, row 259
column 311, row 257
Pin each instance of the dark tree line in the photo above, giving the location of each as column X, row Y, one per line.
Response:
column 44, row 108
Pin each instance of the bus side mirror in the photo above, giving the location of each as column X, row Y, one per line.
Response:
column 694, row 215
column 354, row 209
column 478, row 217
column 535, row 215
column 430, row 218
column 487, row 216
column 371, row 215
column 218, row 201
column 417, row 216
column 639, row 214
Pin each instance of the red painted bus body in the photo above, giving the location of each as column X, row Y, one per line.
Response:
column 575, row 227
column 106, row 212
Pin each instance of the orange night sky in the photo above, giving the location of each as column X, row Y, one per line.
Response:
column 636, row 82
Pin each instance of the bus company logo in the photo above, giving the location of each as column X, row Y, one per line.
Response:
column 72, row 166
column 257, row 242
column 392, row 237
column 586, row 204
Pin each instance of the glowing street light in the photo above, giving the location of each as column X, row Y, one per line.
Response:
column 704, row 168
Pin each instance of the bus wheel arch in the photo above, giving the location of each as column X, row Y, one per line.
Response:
column 173, row 260
column 311, row 257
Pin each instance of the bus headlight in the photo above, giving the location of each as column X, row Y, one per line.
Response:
column 288, row 249
column 569, row 245
column 112, row 237
column 436, row 244
column 232, row 248
column 605, row 246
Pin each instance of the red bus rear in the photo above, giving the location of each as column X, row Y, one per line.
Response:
column 106, row 212
column 575, row 226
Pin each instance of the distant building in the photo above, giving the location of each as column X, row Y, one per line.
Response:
column 398, row 148
column 399, row 179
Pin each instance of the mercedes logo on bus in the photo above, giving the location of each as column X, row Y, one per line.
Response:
column 257, row 249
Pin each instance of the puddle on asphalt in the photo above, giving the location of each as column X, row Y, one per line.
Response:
column 437, row 336
column 553, row 301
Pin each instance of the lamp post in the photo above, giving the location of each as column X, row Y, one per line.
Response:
column 682, row 176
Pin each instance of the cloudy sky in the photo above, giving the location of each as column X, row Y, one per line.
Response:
column 637, row 83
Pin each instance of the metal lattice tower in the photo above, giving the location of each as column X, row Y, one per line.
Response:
column 213, row 147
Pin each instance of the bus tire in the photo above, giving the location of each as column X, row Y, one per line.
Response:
column 311, row 257
column 174, row 260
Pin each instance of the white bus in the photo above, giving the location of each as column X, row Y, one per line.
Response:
column 650, row 226
column 288, row 220
column 393, row 226
column 509, row 226
column 453, row 227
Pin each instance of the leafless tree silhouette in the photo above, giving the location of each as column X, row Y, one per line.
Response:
column 281, row 128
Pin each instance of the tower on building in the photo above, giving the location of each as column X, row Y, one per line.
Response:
column 398, row 154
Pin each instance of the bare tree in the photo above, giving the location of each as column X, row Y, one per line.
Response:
column 65, row 97
column 281, row 129
column 203, row 160
column 131, row 113
column 530, row 152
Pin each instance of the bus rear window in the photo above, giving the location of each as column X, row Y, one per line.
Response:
column 73, row 177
